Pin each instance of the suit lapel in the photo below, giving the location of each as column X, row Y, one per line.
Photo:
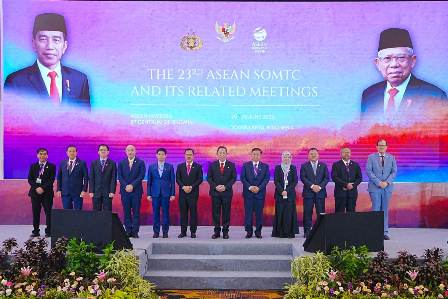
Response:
column 37, row 82
column 66, row 87
column 410, row 90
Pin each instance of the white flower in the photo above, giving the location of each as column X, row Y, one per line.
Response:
column 8, row 292
column 34, row 293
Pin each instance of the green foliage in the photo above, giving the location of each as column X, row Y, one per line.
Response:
column 379, row 270
column 432, row 271
column 81, row 258
column 123, row 265
column 351, row 262
column 310, row 269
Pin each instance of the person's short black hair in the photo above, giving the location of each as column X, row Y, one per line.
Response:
column 379, row 140
column 220, row 147
column 161, row 149
column 256, row 149
column 189, row 149
column 103, row 145
column 71, row 145
column 41, row 149
column 313, row 149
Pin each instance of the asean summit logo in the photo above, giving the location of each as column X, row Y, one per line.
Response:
column 225, row 31
column 191, row 42
column 259, row 45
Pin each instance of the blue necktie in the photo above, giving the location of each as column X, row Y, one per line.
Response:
column 103, row 162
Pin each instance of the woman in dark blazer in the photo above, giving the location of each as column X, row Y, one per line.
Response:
column 285, row 180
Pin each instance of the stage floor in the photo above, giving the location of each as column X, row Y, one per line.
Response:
column 413, row 240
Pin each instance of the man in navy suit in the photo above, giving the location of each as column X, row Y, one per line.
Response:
column 41, row 178
column 346, row 175
column 221, row 176
column 189, row 176
column 401, row 96
column 131, row 172
column 161, row 190
column 102, row 180
column 381, row 169
column 73, row 180
column 314, row 176
column 47, row 79
column 255, row 177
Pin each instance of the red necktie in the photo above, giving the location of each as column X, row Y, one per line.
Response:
column 390, row 108
column 54, row 93
column 188, row 168
column 221, row 167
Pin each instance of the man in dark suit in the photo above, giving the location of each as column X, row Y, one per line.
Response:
column 188, row 176
column 346, row 175
column 131, row 172
column 255, row 177
column 103, row 180
column 41, row 178
column 221, row 176
column 161, row 190
column 73, row 180
column 314, row 176
column 47, row 79
column 401, row 96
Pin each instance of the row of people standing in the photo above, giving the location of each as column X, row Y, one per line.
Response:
column 74, row 181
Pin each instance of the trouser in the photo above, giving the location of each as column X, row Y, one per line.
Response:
column 188, row 211
column 163, row 202
column 131, row 209
column 380, row 202
column 308, row 204
column 221, row 204
column 252, row 205
column 345, row 203
column 37, row 203
column 70, row 201
column 102, row 202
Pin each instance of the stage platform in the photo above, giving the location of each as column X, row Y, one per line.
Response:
column 236, row 263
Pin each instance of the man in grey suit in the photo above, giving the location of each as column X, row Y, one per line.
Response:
column 381, row 170
column 102, row 180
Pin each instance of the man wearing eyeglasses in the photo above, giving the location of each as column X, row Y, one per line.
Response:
column 401, row 94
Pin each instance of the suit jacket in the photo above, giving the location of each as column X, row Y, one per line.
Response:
column 28, row 82
column 215, row 178
column 75, row 182
column 308, row 178
column 341, row 178
column 377, row 173
column 418, row 93
column 279, row 182
column 47, row 180
column 133, row 176
column 248, row 179
column 103, row 182
column 194, row 179
column 161, row 186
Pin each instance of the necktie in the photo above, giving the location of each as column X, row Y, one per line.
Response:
column 347, row 167
column 256, row 169
column 382, row 161
column 188, row 168
column 70, row 166
column 314, row 167
column 160, row 170
column 221, row 167
column 41, row 168
column 390, row 108
column 54, row 93
column 130, row 164
column 103, row 162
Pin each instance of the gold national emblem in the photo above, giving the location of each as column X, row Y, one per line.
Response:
column 191, row 42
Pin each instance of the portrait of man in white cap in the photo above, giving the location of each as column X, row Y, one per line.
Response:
column 401, row 94
column 47, row 79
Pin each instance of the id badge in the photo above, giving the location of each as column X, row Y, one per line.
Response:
column 39, row 181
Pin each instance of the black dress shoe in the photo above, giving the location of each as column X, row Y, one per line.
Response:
column 225, row 235
column 47, row 235
column 135, row 235
column 129, row 234
column 215, row 236
column 34, row 235
column 165, row 235
column 258, row 235
column 248, row 235
column 156, row 235
column 386, row 237
column 182, row 235
column 193, row 235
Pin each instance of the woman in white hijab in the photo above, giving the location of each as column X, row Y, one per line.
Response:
column 285, row 180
